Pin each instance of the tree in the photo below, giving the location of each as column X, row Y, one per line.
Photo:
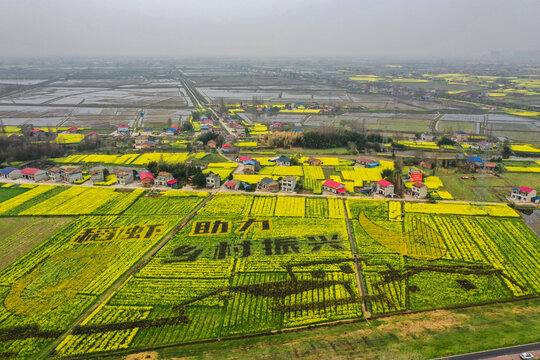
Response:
column 186, row 126
column 506, row 151
column 199, row 179
column 196, row 116
column 153, row 167
column 446, row 141
column 386, row 173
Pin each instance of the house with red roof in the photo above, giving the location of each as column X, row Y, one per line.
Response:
column 364, row 161
column 523, row 193
column 34, row 174
column 334, row 187
column 164, row 177
column 147, row 179
column 385, row 188
column 233, row 184
column 172, row 183
column 226, row 148
column 243, row 158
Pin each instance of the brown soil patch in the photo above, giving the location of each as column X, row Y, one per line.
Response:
column 149, row 355
column 416, row 325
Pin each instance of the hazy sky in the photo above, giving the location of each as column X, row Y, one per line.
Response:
column 403, row 28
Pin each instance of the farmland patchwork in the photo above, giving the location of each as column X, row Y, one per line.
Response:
column 242, row 264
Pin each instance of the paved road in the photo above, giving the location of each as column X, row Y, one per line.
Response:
column 508, row 353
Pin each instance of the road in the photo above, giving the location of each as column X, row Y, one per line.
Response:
column 507, row 353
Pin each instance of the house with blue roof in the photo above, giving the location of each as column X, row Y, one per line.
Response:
column 10, row 173
column 460, row 136
column 283, row 161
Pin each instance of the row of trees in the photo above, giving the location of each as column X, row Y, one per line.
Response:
column 324, row 138
column 180, row 171
column 18, row 148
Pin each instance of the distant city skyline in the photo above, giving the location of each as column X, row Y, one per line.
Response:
column 413, row 29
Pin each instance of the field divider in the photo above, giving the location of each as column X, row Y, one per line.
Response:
column 359, row 279
column 103, row 298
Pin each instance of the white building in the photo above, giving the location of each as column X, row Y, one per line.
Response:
column 288, row 183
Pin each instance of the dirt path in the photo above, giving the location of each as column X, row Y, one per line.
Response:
column 122, row 279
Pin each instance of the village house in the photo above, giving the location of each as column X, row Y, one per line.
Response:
column 55, row 174
column 460, row 136
column 475, row 162
column 233, row 184
column 10, row 173
column 227, row 148
column 139, row 141
column 213, row 181
column 364, row 161
column 98, row 173
column 283, row 161
column 414, row 173
column 385, row 188
column 485, row 145
column 288, row 183
column 72, row 130
column 147, row 179
column 34, row 174
column 252, row 166
column 419, row 190
column 123, row 130
column 334, row 187
column 314, row 162
column 488, row 167
column 147, row 132
column 163, row 177
column 427, row 137
column 71, row 174
column 211, row 144
column 41, row 135
column 268, row 184
column 124, row 177
column 523, row 193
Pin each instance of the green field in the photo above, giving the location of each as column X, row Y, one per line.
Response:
column 484, row 188
column 248, row 264
column 20, row 234
column 403, row 337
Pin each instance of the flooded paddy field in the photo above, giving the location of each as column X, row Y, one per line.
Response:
column 497, row 122
column 270, row 118
column 157, row 118
column 275, row 94
column 52, row 95
column 67, row 116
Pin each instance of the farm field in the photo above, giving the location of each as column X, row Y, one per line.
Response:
column 428, row 335
column 20, row 234
column 44, row 290
column 243, row 264
column 442, row 255
column 130, row 159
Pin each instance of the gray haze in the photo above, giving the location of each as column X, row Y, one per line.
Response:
column 180, row 28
